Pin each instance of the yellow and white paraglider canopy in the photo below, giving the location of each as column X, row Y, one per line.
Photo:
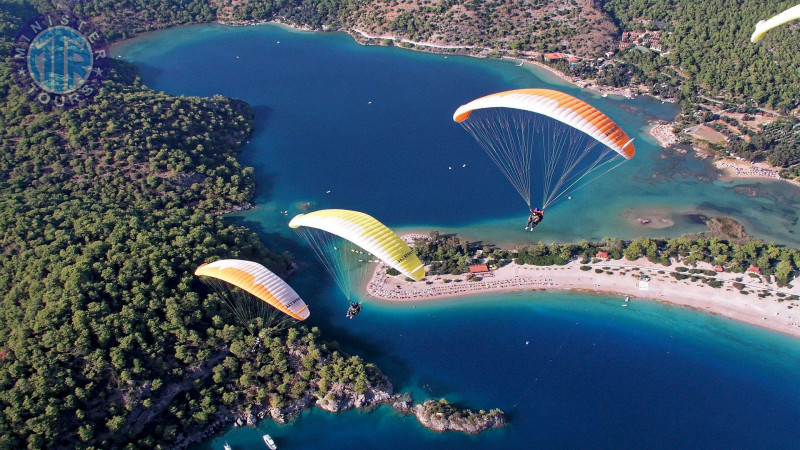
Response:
column 779, row 19
column 258, row 281
column 367, row 233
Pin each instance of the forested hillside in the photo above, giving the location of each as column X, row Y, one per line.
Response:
column 106, row 337
column 709, row 42
column 105, row 210
column 706, row 47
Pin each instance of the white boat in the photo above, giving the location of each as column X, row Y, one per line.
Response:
column 227, row 446
column 270, row 443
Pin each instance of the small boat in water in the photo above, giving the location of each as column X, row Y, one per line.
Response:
column 270, row 443
column 227, row 446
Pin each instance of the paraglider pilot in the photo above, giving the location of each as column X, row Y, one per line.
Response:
column 354, row 309
column 535, row 218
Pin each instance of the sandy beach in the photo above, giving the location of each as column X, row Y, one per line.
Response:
column 664, row 134
column 740, row 169
column 615, row 277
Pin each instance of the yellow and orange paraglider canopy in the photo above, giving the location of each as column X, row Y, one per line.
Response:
column 558, row 106
column 258, row 281
column 545, row 142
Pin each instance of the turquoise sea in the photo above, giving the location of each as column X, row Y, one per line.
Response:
column 373, row 125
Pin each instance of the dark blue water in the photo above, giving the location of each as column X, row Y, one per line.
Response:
column 373, row 126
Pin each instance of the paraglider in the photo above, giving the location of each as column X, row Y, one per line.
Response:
column 765, row 25
column 545, row 142
column 353, row 310
column 257, row 297
column 535, row 218
column 349, row 243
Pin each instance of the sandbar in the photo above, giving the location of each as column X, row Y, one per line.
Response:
column 648, row 218
column 614, row 277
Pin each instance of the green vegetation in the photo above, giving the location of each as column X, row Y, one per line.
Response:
column 448, row 410
column 125, row 18
column 544, row 255
column 107, row 340
column 719, row 91
column 443, row 254
column 451, row 255
column 106, row 337
column 709, row 64
column 106, row 210
column 441, row 415
column 709, row 42
column 772, row 259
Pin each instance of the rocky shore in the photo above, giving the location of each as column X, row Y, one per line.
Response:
column 436, row 415
column 236, row 208
column 441, row 416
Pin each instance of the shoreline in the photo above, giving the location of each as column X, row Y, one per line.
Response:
column 615, row 277
column 731, row 169
column 662, row 133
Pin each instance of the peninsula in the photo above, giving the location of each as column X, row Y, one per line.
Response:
column 749, row 295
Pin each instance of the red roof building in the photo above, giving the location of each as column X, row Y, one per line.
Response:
column 754, row 269
column 602, row 255
column 719, row 269
column 478, row 268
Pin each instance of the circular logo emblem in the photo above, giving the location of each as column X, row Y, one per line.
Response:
column 59, row 59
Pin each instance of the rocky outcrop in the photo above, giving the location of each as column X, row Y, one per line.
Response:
column 243, row 207
column 284, row 415
column 441, row 416
column 342, row 397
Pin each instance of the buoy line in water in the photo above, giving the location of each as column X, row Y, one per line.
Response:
column 546, row 366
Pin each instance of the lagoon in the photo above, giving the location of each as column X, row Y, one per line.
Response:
column 373, row 125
